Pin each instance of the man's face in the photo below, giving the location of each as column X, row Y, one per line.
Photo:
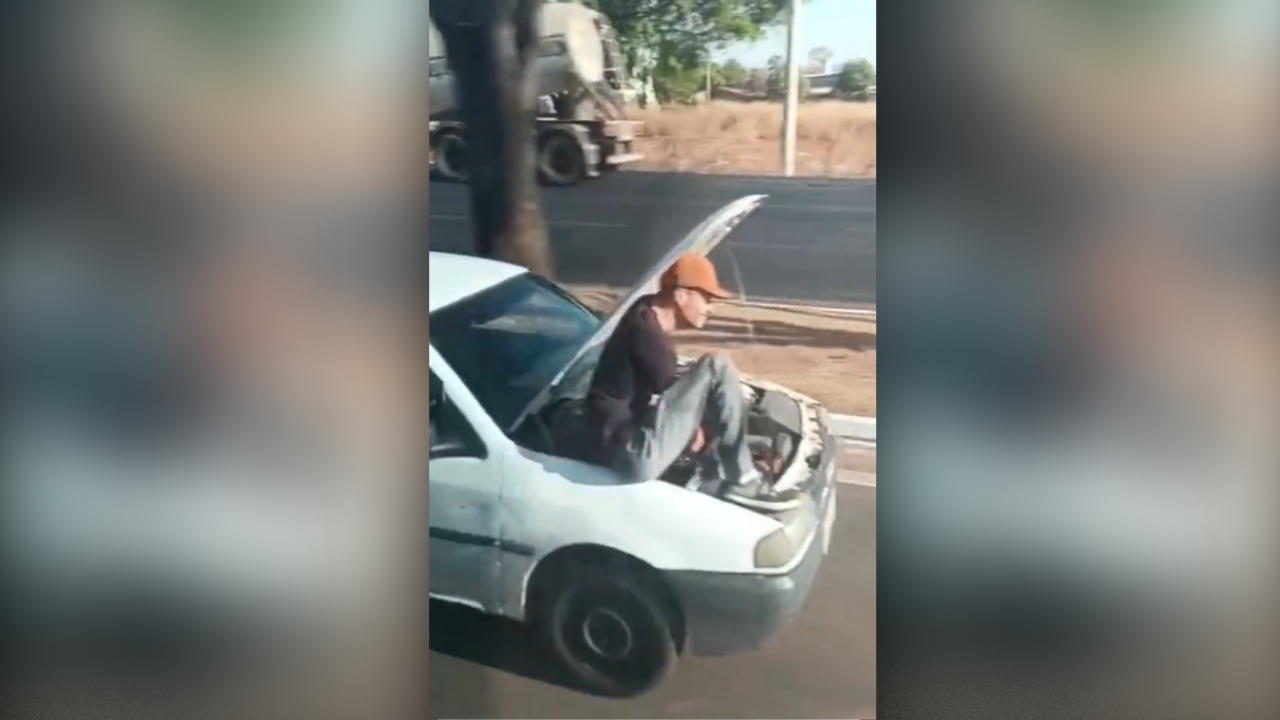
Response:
column 695, row 307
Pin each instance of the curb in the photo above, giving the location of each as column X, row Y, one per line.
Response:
column 860, row 430
column 862, row 310
column 859, row 479
column 851, row 312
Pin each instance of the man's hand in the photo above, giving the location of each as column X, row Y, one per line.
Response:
column 699, row 441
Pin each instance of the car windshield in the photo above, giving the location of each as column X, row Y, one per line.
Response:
column 509, row 342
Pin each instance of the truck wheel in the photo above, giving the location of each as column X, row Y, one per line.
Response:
column 561, row 160
column 611, row 630
column 451, row 156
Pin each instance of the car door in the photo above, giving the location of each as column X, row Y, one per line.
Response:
column 465, row 485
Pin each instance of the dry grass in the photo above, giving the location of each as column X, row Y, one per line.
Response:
column 833, row 139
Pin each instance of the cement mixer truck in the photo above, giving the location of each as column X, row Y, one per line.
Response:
column 582, row 127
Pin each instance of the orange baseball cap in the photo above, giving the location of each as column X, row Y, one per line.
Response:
column 694, row 272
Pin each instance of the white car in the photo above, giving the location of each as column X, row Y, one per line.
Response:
column 621, row 574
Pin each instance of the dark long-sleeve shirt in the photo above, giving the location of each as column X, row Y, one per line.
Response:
column 637, row 365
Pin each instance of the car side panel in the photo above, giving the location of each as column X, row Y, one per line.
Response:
column 547, row 503
column 465, row 545
column 552, row 503
column 464, row 532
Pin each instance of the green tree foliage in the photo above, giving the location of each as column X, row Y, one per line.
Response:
column 675, row 83
column 775, row 79
column 669, row 41
column 734, row 74
column 689, row 26
column 856, row 76
column 820, row 59
column 776, row 74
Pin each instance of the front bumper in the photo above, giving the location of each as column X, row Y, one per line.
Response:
column 727, row 614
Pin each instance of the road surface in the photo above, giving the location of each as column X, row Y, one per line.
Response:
column 823, row 666
column 812, row 241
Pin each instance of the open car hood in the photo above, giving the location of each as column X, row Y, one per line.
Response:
column 702, row 240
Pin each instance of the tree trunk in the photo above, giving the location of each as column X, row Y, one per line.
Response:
column 493, row 48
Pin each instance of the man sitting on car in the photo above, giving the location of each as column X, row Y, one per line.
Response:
column 645, row 417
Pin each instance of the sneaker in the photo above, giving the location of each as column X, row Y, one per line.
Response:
column 755, row 493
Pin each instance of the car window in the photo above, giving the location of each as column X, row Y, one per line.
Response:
column 508, row 343
column 450, row 433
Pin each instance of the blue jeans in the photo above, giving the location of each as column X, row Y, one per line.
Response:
column 709, row 396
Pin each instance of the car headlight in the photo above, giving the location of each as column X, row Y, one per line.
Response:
column 774, row 551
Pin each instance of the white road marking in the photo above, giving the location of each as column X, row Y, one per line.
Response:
column 853, row 427
column 575, row 223
column 805, row 249
column 563, row 223
column 855, row 312
column 846, row 476
column 853, row 477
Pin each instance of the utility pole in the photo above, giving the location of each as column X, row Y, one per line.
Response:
column 792, row 106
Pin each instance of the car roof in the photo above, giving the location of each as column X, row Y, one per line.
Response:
column 456, row 277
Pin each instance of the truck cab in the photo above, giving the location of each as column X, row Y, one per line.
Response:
column 582, row 129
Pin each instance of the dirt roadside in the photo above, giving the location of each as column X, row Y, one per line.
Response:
column 833, row 139
column 818, row 352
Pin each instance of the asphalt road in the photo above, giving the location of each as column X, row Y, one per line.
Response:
column 822, row 666
column 812, row 241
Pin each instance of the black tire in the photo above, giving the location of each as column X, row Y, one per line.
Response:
column 450, row 150
column 610, row 628
column 561, row 160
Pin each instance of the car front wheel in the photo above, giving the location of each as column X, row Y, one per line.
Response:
column 611, row 630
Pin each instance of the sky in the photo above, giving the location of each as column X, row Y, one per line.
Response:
column 848, row 27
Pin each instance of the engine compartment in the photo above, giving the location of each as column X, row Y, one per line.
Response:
column 774, row 433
